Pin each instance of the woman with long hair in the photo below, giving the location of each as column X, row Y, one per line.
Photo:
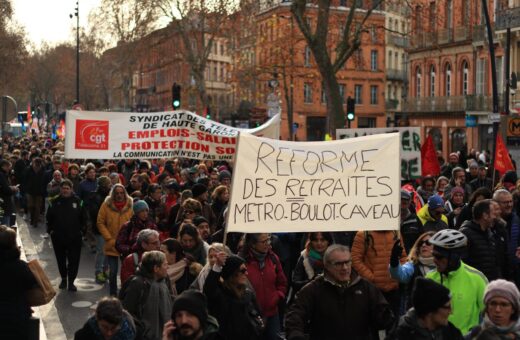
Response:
column 420, row 262
column 213, row 250
column 310, row 262
column 220, row 199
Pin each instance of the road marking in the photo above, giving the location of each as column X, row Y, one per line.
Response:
column 81, row 304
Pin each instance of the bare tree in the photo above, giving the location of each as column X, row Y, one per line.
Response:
column 320, row 44
column 124, row 23
column 199, row 23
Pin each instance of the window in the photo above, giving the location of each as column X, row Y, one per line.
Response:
column 222, row 74
column 366, row 122
column 222, row 50
column 373, row 33
column 448, row 80
column 373, row 94
column 389, row 59
column 323, row 96
column 465, row 75
column 373, row 60
column 432, row 81
column 215, row 73
column 307, row 61
column 465, row 11
column 458, row 140
column 343, row 2
column 389, row 91
column 437, row 138
column 307, row 93
column 449, row 14
column 481, row 77
column 342, row 92
column 418, row 82
column 432, row 20
column 358, row 92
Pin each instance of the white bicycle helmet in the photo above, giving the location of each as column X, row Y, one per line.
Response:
column 449, row 239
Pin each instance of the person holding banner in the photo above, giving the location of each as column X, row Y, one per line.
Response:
column 339, row 304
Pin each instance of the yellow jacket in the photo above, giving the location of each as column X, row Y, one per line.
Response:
column 110, row 220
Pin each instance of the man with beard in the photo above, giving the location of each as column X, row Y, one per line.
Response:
column 511, row 222
column 190, row 319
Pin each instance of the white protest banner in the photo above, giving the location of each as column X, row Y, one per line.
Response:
column 133, row 135
column 410, row 146
column 281, row 186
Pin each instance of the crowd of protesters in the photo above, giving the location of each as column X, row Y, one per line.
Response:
column 158, row 228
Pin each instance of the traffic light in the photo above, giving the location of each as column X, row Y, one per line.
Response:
column 351, row 109
column 208, row 112
column 176, row 96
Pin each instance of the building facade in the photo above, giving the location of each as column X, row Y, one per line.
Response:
column 450, row 74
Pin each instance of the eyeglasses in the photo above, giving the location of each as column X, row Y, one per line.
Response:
column 266, row 241
column 341, row 264
column 502, row 305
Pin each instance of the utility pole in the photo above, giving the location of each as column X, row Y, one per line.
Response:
column 76, row 14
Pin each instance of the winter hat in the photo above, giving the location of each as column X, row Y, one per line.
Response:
column 223, row 175
column 199, row 219
column 104, row 181
column 173, row 185
column 454, row 154
column 405, row 195
column 193, row 170
column 510, row 177
column 193, row 302
column 504, row 289
column 140, row 206
column 435, row 201
column 457, row 190
column 231, row 266
column 473, row 164
column 198, row 189
column 428, row 296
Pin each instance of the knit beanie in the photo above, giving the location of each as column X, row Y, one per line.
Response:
column 140, row 206
column 198, row 189
column 223, row 175
column 199, row 219
column 193, row 302
column 428, row 296
column 104, row 181
column 456, row 190
column 504, row 289
column 231, row 266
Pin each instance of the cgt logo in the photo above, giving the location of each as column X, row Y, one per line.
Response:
column 92, row 134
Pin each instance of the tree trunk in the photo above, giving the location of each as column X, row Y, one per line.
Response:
column 335, row 111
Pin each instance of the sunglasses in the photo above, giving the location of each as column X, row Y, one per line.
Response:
column 424, row 242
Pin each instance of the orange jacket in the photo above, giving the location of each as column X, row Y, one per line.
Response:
column 371, row 257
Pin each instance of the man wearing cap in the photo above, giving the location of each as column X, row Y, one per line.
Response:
column 126, row 242
column 431, row 215
column 190, row 319
column 428, row 319
column 411, row 229
column 482, row 180
column 484, row 251
column 502, row 307
column 224, row 177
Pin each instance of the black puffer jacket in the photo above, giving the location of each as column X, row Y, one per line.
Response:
column 326, row 311
column 409, row 329
column 487, row 250
column 66, row 218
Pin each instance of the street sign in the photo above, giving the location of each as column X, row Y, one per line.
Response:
column 494, row 117
column 471, row 121
column 273, row 105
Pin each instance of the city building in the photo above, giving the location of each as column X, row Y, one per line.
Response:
column 450, row 84
column 286, row 68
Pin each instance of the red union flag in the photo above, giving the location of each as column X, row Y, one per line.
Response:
column 502, row 160
column 92, row 134
column 430, row 163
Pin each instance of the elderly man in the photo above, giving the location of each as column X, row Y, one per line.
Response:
column 324, row 307
column 147, row 239
column 511, row 222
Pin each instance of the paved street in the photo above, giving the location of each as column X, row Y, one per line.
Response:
column 68, row 311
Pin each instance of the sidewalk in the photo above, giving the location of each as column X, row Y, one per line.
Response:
column 50, row 325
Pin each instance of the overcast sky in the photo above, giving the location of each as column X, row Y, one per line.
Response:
column 48, row 20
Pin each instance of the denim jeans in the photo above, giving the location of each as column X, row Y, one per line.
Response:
column 113, row 265
column 100, row 254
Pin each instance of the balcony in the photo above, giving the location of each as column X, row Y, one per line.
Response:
column 448, row 104
column 424, row 39
column 393, row 74
column 391, row 104
column 479, row 33
column 461, row 33
column 398, row 41
column 445, row 36
column 509, row 17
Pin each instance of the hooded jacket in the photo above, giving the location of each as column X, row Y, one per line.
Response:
column 325, row 310
column 91, row 331
column 110, row 220
column 429, row 223
column 409, row 329
column 371, row 257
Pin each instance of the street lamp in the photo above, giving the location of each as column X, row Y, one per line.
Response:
column 76, row 14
